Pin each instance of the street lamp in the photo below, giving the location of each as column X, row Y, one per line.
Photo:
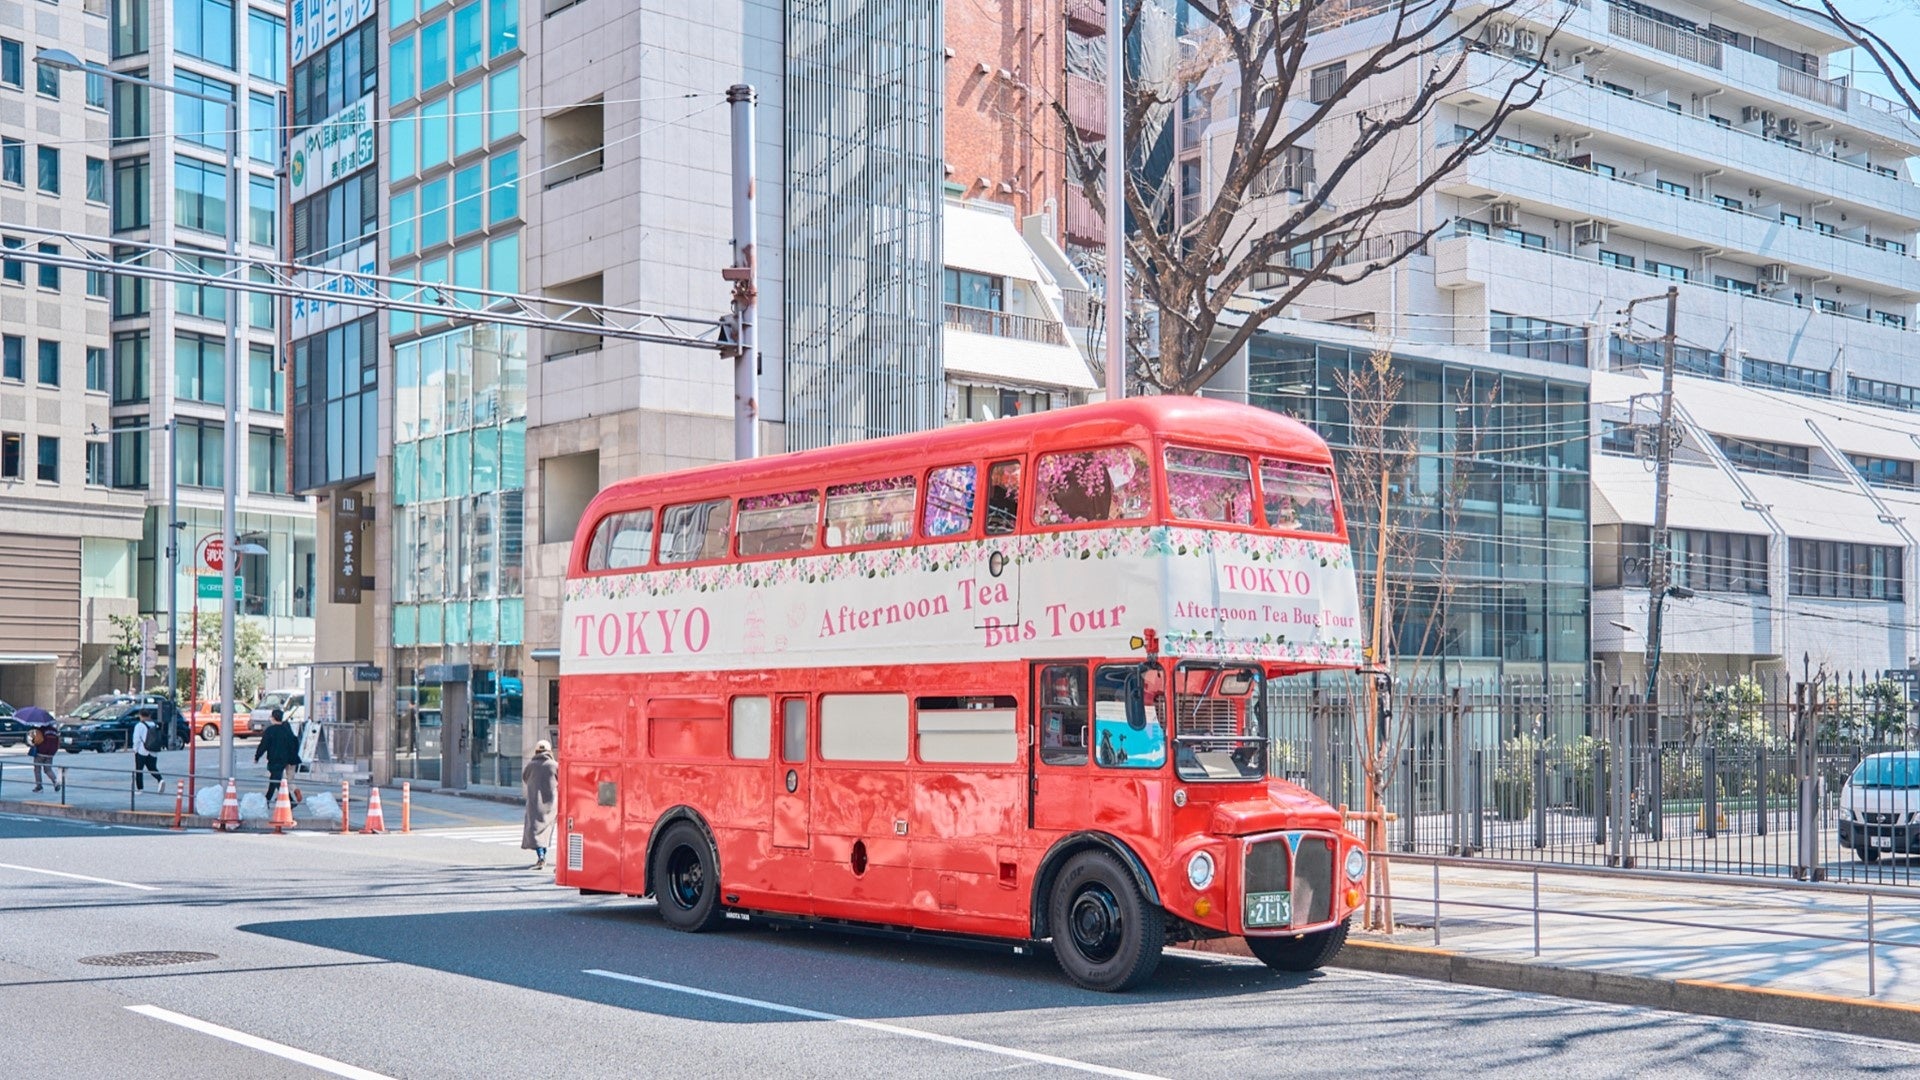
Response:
column 62, row 60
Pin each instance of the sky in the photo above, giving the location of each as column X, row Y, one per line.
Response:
column 1898, row 21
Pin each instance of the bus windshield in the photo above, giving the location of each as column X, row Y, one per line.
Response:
column 1219, row 721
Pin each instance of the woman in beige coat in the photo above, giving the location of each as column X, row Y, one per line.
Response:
column 540, row 781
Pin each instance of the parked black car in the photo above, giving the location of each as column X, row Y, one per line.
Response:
column 112, row 728
column 12, row 732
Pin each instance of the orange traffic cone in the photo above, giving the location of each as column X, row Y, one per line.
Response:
column 376, row 821
column 229, row 810
column 282, row 810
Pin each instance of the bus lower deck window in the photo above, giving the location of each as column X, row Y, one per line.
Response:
column 1063, row 715
column 1003, row 498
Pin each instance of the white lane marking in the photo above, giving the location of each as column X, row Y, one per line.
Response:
column 78, row 877
column 503, row 834
column 875, row 1025
column 255, row 1042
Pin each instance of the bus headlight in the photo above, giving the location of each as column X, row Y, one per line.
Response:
column 1356, row 864
column 1200, row 870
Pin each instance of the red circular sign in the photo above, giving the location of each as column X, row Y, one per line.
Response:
column 213, row 552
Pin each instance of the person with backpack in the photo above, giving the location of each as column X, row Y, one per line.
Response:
column 149, row 738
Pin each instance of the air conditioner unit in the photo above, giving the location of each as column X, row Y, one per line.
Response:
column 1503, row 34
column 1589, row 232
column 1749, row 113
column 1505, row 213
column 1773, row 275
column 1526, row 42
column 1789, row 127
column 1768, row 119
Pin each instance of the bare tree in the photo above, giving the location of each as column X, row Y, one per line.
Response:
column 1361, row 127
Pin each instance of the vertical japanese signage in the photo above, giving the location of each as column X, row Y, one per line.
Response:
column 346, row 549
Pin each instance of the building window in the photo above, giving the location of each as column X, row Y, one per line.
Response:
column 1688, row 359
column 204, row 29
column 97, row 180
column 266, row 46
column 46, row 81
column 13, row 357
column 49, row 273
column 1875, row 392
column 200, row 196
column 1839, row 570
column 48, row 158
column 203, row 123
column 1672, row 188
column 1888, row 318
column 1735, row 285
column 1523, row 238
column 469, row 37
column 12, row 64
column 1616, row 259
column 97, row 471
column 97, row 284
column 263, row 128
column 49, row 455
column 13, row 162
column 96, row 90
column 13, row 271
column 1800, row 380
column 129, row 292
column 10, row 456
column 97, row 370
column 199, row 457
column 1762, row 456
column 1667, row 270
column 503, row 26
column 198, row 298
column 1538, row 339
column 130, row 367
column 263, row 204
column 199, row 368
column 968, row 289
column 1326, row 81
column 129, row 456
column 1698, row 560
column 127, row 120
column 49, row 363
column 263, row 379
column 129, row 28
column 266, row 462
column 1728, row 202
column 1884, row 472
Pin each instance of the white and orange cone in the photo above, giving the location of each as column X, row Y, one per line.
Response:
column 282, row 819
column 376, row 821
column 229, row 810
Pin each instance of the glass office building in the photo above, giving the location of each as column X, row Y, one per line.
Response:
column 1495, row 459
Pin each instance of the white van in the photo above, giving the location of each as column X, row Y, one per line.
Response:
column 1880, row 806
column 284, row 700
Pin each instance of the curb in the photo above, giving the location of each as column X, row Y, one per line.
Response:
column 483, row 796
column 152, row 819
column 1790, row 1008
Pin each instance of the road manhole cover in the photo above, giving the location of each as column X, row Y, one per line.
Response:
column 151, row 958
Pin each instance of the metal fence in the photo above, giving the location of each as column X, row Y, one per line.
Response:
column 1734, row 775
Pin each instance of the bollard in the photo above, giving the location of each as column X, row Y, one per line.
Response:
column 346, row 804
column 406, row 806
column 179, row 800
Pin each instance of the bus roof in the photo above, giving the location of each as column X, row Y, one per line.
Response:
column 1222, row 424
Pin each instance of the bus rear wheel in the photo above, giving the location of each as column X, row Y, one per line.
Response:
column 1106, row 935
column 686, row 880
column 1308, row 952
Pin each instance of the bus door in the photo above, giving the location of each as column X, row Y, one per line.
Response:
column 793, row 792
column 1057, row 747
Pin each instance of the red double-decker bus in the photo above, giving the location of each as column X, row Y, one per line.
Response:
column 1006, row 680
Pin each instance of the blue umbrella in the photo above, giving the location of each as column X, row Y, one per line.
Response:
column 34, row 716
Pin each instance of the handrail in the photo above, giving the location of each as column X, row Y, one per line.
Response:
column 1873, row 942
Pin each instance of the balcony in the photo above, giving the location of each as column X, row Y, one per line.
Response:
column 1087, row 107
column 1671, row 40
column 1005, row 324
column 1647, row 122
column 1088, row 18
column 1560, row 190
column 1085, row 225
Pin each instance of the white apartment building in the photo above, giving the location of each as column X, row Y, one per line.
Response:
column 1006, row 341
column 67, row 539
column 1704, row 145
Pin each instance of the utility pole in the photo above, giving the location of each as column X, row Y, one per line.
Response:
column 1116, row 199
column 744, row 274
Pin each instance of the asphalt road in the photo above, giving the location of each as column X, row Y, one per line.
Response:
column 441, row 955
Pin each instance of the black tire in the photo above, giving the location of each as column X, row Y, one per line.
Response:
column 1106, row 935
column 210, row 732
column 686, row 879
column 1308, row 952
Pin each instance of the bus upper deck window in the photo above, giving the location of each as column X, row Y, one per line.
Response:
column 949, row 509
column 1003, row 497
column 694, row 531
column 770, row 524
column 870, row 512
column 1297, row 497
column 1206, row 486
column 622, row 541
column 1109, row 484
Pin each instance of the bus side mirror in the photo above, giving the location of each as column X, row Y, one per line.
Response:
column 1136, row 702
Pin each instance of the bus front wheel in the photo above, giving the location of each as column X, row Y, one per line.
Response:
column 686, row 881
column 1308, row 952
column 1106, row 935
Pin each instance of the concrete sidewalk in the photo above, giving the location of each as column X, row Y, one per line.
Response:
column 99, row 787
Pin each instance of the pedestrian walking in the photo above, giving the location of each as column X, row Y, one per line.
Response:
column 540, row 782
column 148, row 738
column 43, row 741
column 281, row 747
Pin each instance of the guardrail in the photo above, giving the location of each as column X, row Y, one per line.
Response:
column 1871, row 942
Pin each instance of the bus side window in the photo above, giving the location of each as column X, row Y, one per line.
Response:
column 1003, row 498
column 949, row 509
column 1117, row 744
column 1063, row 714
column 751, row 732
column 793, row 729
